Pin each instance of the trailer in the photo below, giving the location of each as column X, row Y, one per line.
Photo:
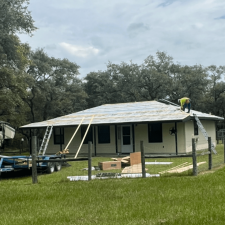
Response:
column 6, row 132
column 13, row 163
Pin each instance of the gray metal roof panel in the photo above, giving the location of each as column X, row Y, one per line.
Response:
column 148, row 111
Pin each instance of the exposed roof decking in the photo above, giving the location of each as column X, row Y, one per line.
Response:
column 149, row 111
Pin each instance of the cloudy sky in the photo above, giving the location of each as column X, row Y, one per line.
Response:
column 93, row 32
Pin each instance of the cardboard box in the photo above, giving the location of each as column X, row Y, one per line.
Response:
column 110, row 165
column 135, row 158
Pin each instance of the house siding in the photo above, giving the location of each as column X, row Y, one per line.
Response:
column 201, row 143
column 185, row 133
column 75, row 143
column 109, row 148
column 166, row 146
column 181, row 138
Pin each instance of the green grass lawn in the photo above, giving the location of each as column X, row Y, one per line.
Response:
column 169, row 199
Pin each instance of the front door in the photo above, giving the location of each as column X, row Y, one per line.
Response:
column 126, row 139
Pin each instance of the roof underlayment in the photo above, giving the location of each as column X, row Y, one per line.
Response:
column 134, row 112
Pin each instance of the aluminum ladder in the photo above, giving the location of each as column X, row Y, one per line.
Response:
column 200, row 126
column 45, row 140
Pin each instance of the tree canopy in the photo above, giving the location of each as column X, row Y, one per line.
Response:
column 54, row 89
column 35, row 86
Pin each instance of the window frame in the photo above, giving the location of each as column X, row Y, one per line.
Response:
column 61, row 135
column 149, row 133
column 109, row 140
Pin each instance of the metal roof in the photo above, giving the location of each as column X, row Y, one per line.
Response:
column 134, row 112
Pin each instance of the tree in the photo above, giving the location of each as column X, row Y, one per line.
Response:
column 155, row 80
column 130, row 82
column 13, row 85
column 117, row 84
column 54, row 89
column 215, row 94
column 14, row 18
column 188, row 81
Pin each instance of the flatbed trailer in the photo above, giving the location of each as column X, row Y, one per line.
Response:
column 12, row 163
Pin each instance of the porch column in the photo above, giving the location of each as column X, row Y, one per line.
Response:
column 176, row 138
column 94, row 133
column 116, row 142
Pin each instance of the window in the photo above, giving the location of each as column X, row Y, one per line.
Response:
column 89, row 136
column 126, row 135
column 195, row 128
column 155, row 132
column 58, row 135
column 104, row 134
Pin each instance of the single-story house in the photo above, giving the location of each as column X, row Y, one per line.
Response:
column 119, row 128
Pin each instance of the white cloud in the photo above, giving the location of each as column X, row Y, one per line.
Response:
column 91, row 33
column 198, row 25
column 79, row 51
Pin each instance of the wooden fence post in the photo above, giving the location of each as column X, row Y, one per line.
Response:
column 89, row 159
column 210, row 152
column 195, row 169
column 142, row 160
column 224, row 149
column 34, row 163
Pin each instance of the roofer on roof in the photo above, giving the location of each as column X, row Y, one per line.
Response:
column 185, row 103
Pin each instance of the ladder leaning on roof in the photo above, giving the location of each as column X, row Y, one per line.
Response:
column 204, row 132
column 45, row 140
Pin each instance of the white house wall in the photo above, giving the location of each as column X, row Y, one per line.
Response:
column 210, row 129
column 74, row 145
column 201, row 143
column 181, row 138
column 52, row 149
column 185, row 133
column 109, row 148
column 166, row 146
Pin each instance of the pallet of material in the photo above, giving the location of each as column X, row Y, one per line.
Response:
column 137, row 168
column 125, row 160
column 134, row 158
column 181, row 168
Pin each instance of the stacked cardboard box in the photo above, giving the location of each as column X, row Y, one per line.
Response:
column 110, row 165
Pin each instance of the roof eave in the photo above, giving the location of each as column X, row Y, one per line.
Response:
column 119, row 123
column 208, row 118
